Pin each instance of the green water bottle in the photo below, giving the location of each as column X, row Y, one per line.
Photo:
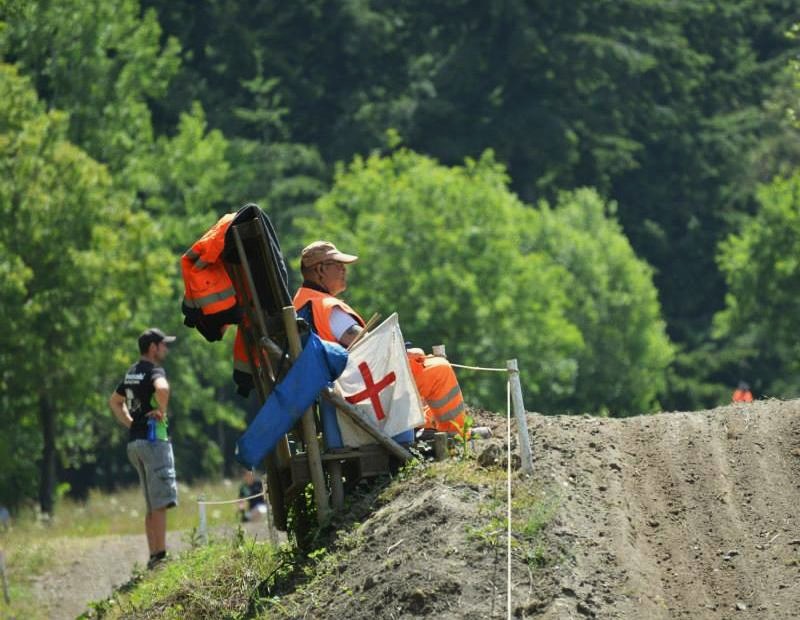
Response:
column 161, row 429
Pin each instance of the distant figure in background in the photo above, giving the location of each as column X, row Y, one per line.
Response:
column 5, row 518
column 253, row 509
column 742, row 393
column 149, row 447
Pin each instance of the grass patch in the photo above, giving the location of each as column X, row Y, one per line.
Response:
column 121, row 512
column 30, row 543
column 225, row 579
column 532, row 511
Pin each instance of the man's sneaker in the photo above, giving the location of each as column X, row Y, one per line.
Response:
column 157, row 559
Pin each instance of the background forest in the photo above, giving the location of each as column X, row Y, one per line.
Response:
column 608, row 191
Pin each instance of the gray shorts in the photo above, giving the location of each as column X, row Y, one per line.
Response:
column 155, row 465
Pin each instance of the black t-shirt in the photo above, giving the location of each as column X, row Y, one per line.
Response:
column 138, row 389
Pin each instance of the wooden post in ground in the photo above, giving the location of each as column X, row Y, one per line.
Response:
column 519, row 412
column 273, row 536
column 246, row 291
column 337, row 485
column 440, row 446
column 309, row 427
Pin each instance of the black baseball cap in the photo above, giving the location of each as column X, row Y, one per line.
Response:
column 153, row 335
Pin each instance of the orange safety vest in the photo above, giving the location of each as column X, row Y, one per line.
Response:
column 742, row 396
column 207, row 285
column 322, row 304
column 241, row 360
column 438, row 386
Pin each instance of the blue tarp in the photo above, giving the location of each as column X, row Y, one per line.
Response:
column 318, row 365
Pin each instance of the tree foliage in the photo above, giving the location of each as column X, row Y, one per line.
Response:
column 100, row 61
column 673, row 111
column 56, row 205
column 613, row 303
column 161, row 116
column 762, row 271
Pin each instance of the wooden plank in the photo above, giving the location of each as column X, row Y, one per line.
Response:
column 309, row 426
column 390, row 444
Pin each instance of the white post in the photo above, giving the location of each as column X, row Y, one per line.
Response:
column 202, row 529
column 519, row 412
column 5, row 579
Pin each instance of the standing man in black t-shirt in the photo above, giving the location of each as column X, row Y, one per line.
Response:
column 149, row 448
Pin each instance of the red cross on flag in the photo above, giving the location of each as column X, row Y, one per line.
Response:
column 378, row 382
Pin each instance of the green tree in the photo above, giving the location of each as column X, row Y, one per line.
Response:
column 102, row 62
column 65, row 247
column 612, row 301
column 464, row 262
column 671, row 110
column 106, row 64
column 762, row 272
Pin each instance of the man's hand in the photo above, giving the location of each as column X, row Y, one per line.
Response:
column 157, row 415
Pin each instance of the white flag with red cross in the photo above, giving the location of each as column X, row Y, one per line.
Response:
column 378, row 382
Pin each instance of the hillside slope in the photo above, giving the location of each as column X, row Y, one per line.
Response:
column 675, row 515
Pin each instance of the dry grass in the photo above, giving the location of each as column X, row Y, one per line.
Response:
column 32, row 540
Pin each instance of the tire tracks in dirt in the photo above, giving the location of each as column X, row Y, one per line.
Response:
column 673, row 515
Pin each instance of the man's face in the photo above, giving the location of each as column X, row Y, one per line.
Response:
column 334, row 276
column 162, row 350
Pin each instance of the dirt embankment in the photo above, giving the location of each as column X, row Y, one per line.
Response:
column 676, row 515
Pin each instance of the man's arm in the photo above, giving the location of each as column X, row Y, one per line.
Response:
column 119, row 407
column 349, row 335
column 162, row 398
column 344, row 327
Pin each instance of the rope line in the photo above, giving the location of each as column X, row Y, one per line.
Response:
column 479, row 368
column 228, row 501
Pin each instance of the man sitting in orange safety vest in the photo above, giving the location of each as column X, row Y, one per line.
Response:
column 324, row 270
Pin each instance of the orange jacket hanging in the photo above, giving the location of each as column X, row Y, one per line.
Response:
column 207, row 285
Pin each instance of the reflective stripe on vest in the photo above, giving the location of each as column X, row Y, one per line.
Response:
column 441, row 402
column 208, row 300
column 452, row 414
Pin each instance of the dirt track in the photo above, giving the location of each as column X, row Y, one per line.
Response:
column 676, row 515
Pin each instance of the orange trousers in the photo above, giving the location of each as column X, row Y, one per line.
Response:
column 438, row 386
